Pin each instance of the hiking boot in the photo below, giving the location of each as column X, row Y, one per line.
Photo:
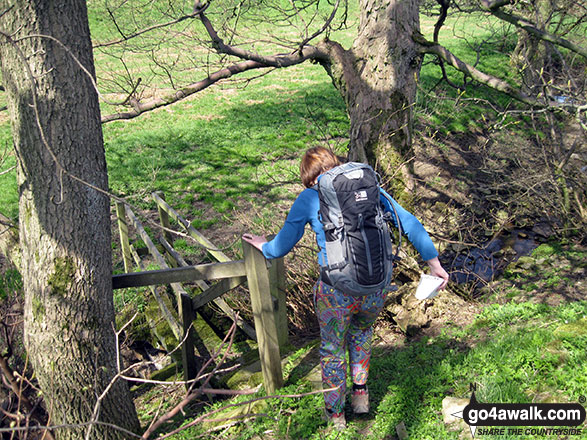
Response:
column 360, row 401
column 336, row 420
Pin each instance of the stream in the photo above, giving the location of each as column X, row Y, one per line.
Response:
column 481, row 265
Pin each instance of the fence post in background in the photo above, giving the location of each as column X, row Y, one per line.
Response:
column 277, row 280
column 262, row 303
column 123, row 231
column 164, row 219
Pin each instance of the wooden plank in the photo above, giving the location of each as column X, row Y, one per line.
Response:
column 167, row 314
column 195, row 234
column 148, row 242
column 164, row 219
column 277, row 289
column 178, row 259
column 199, row 300
column 211, row 271
column 217, row 290
column 123, row 232
column 264, row 315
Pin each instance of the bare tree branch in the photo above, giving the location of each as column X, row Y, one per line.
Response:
column 488, row 4
column 253, row 61
column 489, row 80
column 26, row 429
column 323, row 28
column 9, row 169
column 444, row 6
column 522, row 23
column 228, row 340
column 280, row 60
column 248, row 402
column 142, row 107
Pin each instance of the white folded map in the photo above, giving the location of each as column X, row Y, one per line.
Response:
column 428, row 287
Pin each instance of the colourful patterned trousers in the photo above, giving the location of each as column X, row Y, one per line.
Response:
column 346, row 322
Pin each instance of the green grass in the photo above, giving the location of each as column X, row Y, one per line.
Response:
column 8, row 189
column 207, row 155
column 10, row 284
column 228, row 142
column 514, row 353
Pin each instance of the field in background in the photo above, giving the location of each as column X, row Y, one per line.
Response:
column 227, row 158
column 227, row 143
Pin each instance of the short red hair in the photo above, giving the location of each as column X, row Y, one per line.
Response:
column 316, row 161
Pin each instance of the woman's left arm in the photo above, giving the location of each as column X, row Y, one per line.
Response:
column 417, row 235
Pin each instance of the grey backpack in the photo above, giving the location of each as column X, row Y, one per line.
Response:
column 359, row 257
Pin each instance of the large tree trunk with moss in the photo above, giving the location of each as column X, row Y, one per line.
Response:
column 64, row 224
column 377, row 78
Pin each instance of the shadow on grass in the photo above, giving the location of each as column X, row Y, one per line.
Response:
column 213, row 164
column 406, row 384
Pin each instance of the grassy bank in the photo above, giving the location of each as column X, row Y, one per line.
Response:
column 518, row 351
column 227, row 143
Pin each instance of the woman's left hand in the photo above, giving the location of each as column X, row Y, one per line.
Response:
column 437, row 270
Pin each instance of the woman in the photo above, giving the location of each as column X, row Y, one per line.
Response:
column 346, row 321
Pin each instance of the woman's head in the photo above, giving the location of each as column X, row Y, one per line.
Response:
column 316, row 161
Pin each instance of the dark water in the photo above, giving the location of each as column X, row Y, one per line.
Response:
column 483, row 264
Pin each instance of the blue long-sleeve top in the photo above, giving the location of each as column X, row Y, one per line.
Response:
column 305, row 210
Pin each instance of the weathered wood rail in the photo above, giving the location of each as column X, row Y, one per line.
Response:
column 266, row 283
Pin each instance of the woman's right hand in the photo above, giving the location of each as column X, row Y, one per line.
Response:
column 255, row 240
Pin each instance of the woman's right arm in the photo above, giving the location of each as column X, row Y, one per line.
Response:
column 293, row 228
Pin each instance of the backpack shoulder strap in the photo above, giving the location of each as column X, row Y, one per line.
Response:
column 399, row 224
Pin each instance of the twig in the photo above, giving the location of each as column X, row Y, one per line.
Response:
column 151, row 28
column 68, row 426
column 7, row 170
column 193, row 394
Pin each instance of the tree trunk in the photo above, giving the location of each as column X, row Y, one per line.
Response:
column 64, row 225
column 531, row 54
column 377, row 78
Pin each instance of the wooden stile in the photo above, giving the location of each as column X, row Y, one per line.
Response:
column 264, row 316
column 184, row 303
column 266, row 283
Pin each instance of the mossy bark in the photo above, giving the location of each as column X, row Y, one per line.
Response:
column 377, row 77
column 64, row 224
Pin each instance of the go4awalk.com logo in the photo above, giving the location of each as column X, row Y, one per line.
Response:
column 523, row 419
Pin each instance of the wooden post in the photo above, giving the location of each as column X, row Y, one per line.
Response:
column 264, row 316
column 277, row 280
column 123, row 231
column 164, row 219
column 190, row 365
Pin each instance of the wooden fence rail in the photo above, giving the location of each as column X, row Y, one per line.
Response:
column 265, row 280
